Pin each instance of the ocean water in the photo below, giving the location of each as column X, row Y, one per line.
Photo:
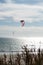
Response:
column 16, row 44
column 8, row 45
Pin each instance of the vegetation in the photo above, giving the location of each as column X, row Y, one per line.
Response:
column 27, row 57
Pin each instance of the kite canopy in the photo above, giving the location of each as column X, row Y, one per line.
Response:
column 22, row 22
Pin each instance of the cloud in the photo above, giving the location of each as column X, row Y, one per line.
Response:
column 30, row 13
column 8, row 1
column 33, row 2
column 11, row 13
column 21, row 31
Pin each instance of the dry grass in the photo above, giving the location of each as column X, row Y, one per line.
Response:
column 25, row 58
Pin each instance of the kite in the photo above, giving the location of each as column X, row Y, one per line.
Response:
column 22, row 23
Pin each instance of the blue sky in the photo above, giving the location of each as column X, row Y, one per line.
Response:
column 22, row 1
column 12, row 11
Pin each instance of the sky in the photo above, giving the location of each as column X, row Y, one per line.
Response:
column 12, row 11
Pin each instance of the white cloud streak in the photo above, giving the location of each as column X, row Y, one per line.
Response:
column 29, row 13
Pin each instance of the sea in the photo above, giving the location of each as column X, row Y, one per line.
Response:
column 9, row 45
